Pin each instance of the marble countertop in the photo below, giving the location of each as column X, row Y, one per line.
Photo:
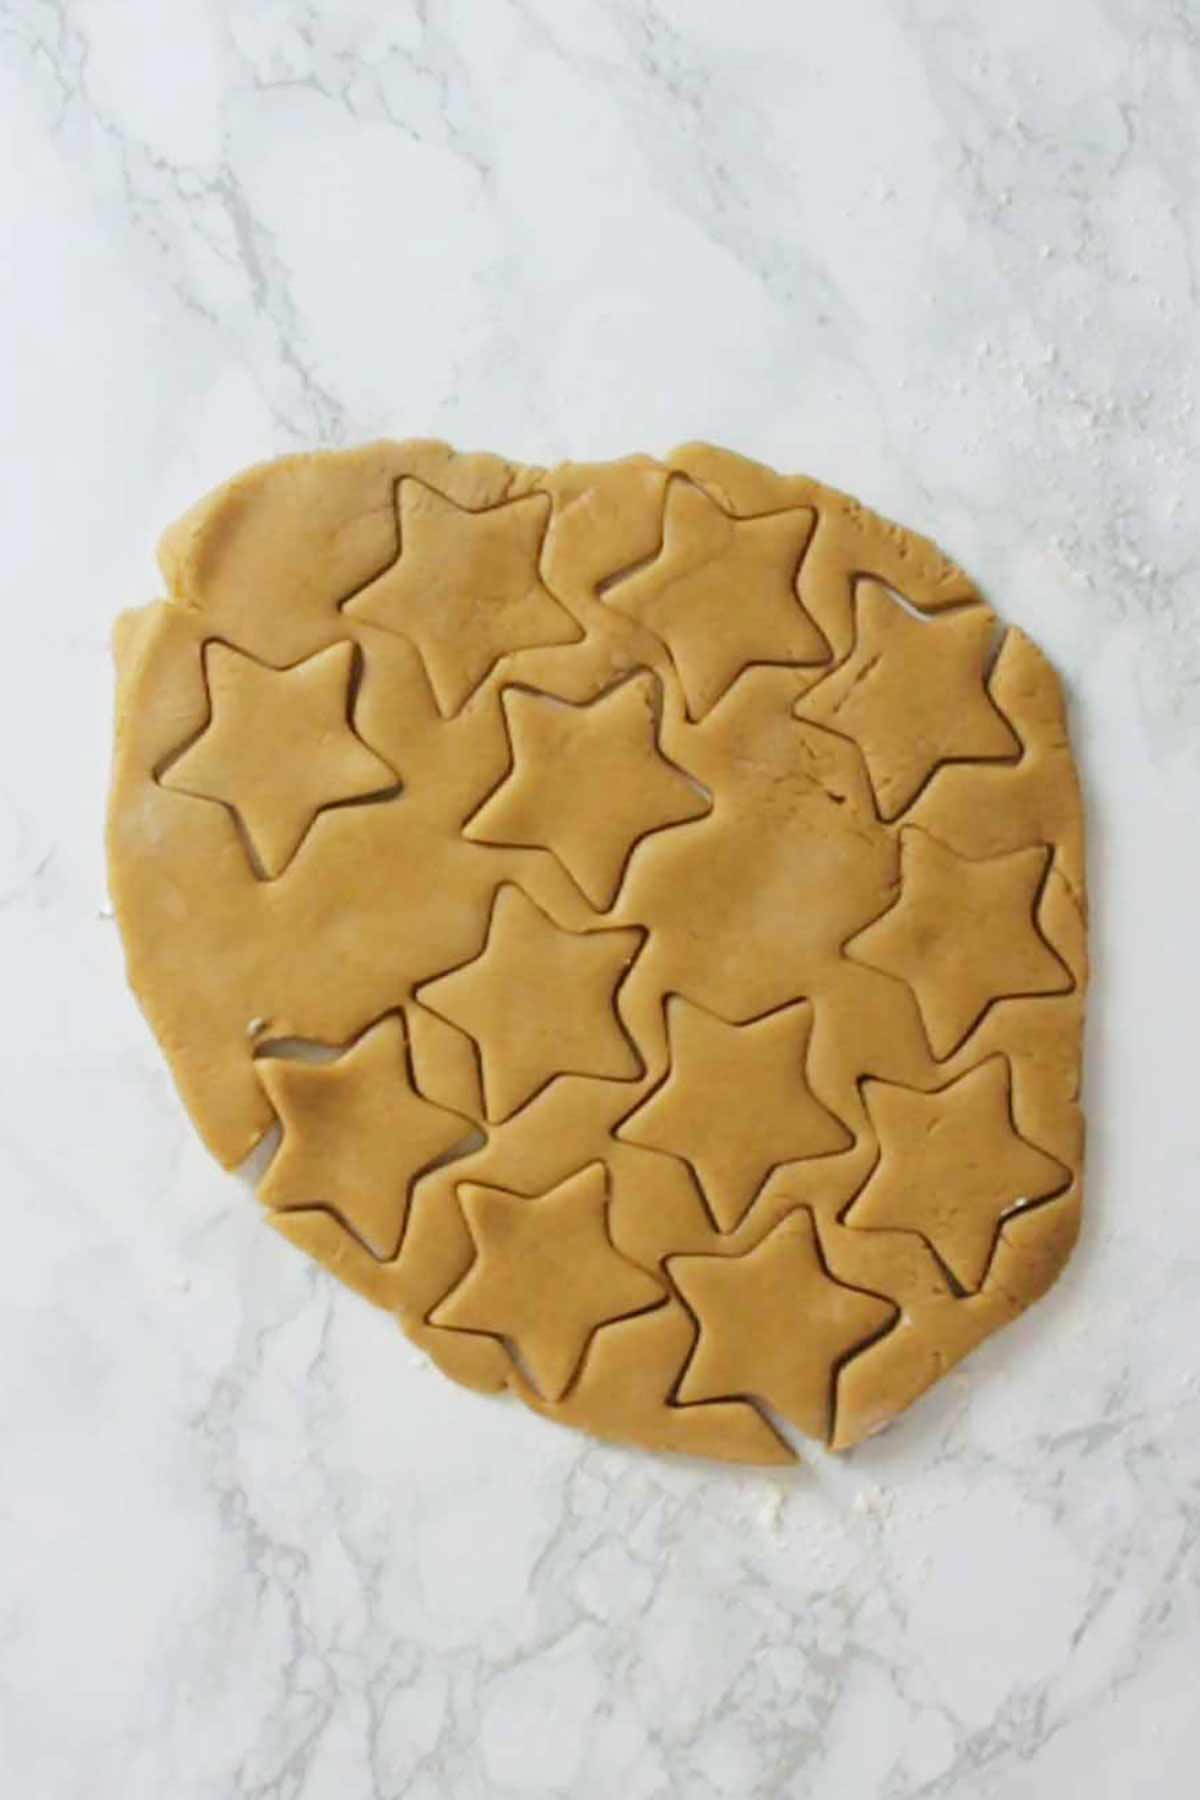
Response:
column 942, row 253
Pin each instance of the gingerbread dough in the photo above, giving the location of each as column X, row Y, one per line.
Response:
column 644, row 900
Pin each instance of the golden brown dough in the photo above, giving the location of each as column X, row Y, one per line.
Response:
column 465, row 588
column 279, row 745
column 588, row 782
column 963, row 934
column 356, row 1133
column 951, row 1167
column 735, row 1103
column 781, row 1279
column 684, row 593
column 512, row 1001
column 545, row 1275
column 647, row 902
column 912, row 699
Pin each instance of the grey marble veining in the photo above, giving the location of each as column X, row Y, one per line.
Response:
column 944, row 255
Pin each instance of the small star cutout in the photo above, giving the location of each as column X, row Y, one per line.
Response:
column 586, row 783
column 721, row 594
column 912, row 695
column 539, row 1002
column 963, row 934
column 278, row 748
column 465, row 588
column 774, row 1323
column 735, row 1103
column 546, row 1275
column 356, row 1134
column 952, row 1167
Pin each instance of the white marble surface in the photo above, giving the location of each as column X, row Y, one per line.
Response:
column 942, row 252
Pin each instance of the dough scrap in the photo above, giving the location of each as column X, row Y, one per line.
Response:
column 647, row 902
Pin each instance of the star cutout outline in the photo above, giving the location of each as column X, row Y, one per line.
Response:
column 916, row 966
column 977, row 1088
column 271, row 846
column 506, row 895
column 599, row 888
column 880, row 610
column 454, row 670
column 382, row 1050
column 794, row 1021
column 642, row 589
column 701, row 1381
column 545, row 1273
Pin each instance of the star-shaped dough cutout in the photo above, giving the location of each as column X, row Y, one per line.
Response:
column 587, row 782
column 356, row 1134
column 278, row 748
column 774, row 1323
column 546, row 1275
column 539, row 1002
column 721, row 594
column 465, row 588
column 963, row 933
column 912, row 695
column 735, row 1103
column 952, row 1167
